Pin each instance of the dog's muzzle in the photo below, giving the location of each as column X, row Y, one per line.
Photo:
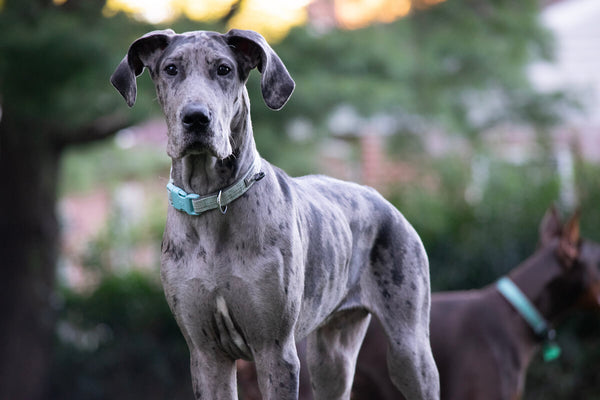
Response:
column 196, row 118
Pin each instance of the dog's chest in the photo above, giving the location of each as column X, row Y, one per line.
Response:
column 221, row 260
column 210, row 285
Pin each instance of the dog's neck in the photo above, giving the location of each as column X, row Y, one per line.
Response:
column 540, row 278
column 205, row 174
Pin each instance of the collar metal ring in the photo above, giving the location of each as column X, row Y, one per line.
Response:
column 222, row 208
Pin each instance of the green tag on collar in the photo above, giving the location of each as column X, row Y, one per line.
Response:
column 551, row 351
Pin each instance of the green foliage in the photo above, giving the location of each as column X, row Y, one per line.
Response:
column 104, row 165
column 440, row 63
column 120, row 342
column 113, row 248
column 471, row 242
column 588, row 189
column 55, row 64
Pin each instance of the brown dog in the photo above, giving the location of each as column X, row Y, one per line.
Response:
column 481, row 343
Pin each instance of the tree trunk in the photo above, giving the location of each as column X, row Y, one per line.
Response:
column 29, row 242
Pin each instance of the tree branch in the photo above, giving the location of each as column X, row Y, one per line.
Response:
column 100, row 128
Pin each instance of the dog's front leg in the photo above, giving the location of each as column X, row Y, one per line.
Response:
column 213, row 375
column 278, row 370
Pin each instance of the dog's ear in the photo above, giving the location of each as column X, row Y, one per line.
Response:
column 568, row 247
column 550, row 227
column 141, row 54
column 253, row 51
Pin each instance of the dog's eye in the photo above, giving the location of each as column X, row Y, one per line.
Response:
column 171, row 69
column 223, row 70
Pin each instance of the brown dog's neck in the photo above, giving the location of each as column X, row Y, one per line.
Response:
column 546, row 284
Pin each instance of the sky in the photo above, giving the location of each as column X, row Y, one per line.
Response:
column 271, row 18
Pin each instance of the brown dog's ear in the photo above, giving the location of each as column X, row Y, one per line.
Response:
column 550, row 227
column 253, row 51
column 141, row 53
column 568, row 248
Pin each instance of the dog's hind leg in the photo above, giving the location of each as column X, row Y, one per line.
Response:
column 411, row 365
column 402, row 306
column 332, row 351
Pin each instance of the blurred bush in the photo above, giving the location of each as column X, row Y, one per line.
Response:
column 119, row 342
column 472, row 241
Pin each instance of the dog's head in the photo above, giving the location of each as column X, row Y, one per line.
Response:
column 578, row 257
column 200, row 80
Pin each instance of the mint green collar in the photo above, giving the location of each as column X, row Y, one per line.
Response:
column 527, row 310
column 194, row 204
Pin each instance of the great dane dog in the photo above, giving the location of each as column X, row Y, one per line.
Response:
column 253, row 260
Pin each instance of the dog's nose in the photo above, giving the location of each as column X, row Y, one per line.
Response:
column 195, row 116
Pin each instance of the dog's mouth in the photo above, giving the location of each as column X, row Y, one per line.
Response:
column 196, row 148
column 195, row 144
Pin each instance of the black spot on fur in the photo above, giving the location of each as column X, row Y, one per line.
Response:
column 273, row 242
column 202, row 253
column 172, row 251
column 382, row 242
column 397, row 277
column 290, row 368
column 192, row 235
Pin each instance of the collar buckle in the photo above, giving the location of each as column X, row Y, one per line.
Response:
column 181, row 200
